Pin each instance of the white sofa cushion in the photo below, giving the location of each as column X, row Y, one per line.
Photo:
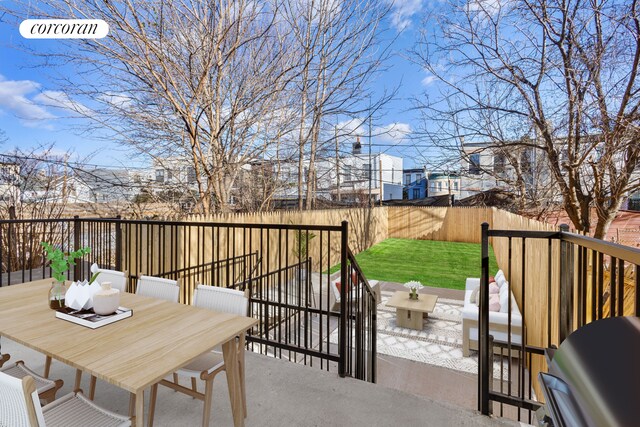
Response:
column 470, row 310
column 504, row 297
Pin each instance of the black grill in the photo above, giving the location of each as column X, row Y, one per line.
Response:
column 594, row 377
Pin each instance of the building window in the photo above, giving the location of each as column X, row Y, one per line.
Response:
column 440, row 186
column 347, row 172
column 416, row 193
column 433, row 185
column 474, row 164
column 498, row 163
column 159, row 175
column 455, row 185
column 366, row 171
column 191, row 174
column 418, row 177
column 407, row 179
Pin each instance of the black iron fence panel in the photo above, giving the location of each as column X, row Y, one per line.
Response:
column 290, row 270
column 562, row 281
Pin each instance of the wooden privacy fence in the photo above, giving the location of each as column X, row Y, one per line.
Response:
column 453, row 224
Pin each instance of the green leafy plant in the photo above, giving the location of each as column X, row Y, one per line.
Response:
column 60, row 261
column 301, row 245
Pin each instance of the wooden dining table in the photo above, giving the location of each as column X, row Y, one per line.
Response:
column 132, row 353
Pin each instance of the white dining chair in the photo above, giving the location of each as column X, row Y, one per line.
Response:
column 46, row 388
column 208, row 365
column 20, row 407
column 157, row 287
column 117, row 278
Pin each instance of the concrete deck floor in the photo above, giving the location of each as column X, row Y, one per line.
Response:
column 434, row 382
column 281, row 393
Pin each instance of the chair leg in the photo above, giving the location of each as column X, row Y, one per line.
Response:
column 175, row 378
column 50, row 395
column 194, row 384
column 152, row 403
column 4, row 358
column 47, row 366
column 92, row 387
column 208, row 391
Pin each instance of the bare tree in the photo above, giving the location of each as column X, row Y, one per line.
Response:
column 179, row 78
column 33, row 184
column 556, row 77
column 341, row 47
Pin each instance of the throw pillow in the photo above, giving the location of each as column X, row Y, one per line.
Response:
column 493, row 288
column 504, row 297
column 494, row 302
column 475, row 296
column 499, row 275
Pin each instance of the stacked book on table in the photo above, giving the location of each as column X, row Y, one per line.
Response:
column 90, row 319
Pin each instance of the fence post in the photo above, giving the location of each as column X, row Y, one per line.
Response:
column 118, row 224
column 342, row 344
column 483, row 335
column 77, row 231
column 566, row 282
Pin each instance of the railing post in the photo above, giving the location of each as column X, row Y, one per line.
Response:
column 342, row 344
column 483, row 335
column 566, row 283
column 77, row 234
column 118, row 224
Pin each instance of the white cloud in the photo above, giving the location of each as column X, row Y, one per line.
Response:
column 56, row 99
column 429, row 80
column 117, row 100
column 395, row 133
column 352, row 127
column 486, row 8
column 14, row 100
column 402, row 12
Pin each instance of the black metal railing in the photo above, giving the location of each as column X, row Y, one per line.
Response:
column 285, row 266
column 562, row 281
column 360, row 313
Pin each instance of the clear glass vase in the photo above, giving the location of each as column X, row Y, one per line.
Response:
column 57, row 292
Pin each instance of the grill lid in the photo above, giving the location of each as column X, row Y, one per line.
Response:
column 594, row 377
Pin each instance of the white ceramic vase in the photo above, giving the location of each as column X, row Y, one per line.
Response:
column 106, row 300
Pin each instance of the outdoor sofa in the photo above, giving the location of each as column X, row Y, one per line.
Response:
column 498, row 320
column 375, row 287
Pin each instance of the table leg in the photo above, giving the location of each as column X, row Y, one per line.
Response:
column 409, row 319
column 140, row 408
column 241, row 342
column 230, row 353
column 76, row 385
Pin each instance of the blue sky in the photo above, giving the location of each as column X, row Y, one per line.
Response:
column 30, row 113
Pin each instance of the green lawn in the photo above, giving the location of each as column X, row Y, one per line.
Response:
column 432, row 263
